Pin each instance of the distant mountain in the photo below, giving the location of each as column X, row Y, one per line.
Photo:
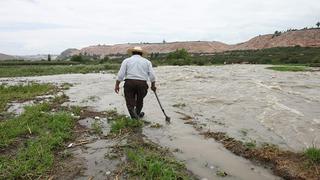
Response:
column 192, row 47
column 6, row 57
column 303, row 38
column 37, row 57
column 67, row 53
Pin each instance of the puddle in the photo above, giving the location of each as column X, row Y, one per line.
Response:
column 94, row 154
column 248, row 102
column 17, row 108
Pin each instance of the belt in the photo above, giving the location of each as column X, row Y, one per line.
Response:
column 135, row 80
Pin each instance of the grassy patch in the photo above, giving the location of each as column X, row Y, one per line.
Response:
column 250, row 145
column 21, row 92
column 35, row 135
column 96, row 127
column 148, row 163
column 289, row 68
column 38, row 70
column 123, row 123
column 313, row 154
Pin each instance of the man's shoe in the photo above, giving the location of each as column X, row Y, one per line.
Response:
column 134, row 115
column 141, row 115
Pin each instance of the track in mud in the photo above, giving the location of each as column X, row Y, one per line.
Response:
column 247, row 102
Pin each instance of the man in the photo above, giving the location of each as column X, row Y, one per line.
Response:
column 135, row 71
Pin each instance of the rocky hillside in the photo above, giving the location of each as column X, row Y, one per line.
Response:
column 191, row 46
column 303, row 38
column 5, row 57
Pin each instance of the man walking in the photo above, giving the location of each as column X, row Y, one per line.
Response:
column 135, row 71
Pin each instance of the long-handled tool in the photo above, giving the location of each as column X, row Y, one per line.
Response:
column 167, row 117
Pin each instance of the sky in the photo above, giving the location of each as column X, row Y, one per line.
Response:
column 50, row 26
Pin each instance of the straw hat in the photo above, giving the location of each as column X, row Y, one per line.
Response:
column 136, row 49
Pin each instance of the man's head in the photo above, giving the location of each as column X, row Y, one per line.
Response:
column 136, row 51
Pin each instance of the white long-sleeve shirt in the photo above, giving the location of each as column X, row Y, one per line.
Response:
column 136, row 67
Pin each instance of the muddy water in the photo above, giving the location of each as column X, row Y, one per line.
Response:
column 248, row 102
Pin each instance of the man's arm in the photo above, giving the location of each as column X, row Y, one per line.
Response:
column 152, row 78
column 121, row 74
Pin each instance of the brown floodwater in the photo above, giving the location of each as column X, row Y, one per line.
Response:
column 248, row 102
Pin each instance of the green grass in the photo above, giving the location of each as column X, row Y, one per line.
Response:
column 250, row 145
column 121, row 122
column 32, row 139
column 289, row 68
column 21, row 92
column 38, row 70
column 153, row 164
column 313, row 154
column 96, row 127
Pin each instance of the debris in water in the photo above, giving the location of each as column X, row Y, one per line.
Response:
column 221, row 173
column 70, row 145
column 157, row 125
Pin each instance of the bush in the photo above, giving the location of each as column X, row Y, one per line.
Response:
column 77, row 58
column 179, row 54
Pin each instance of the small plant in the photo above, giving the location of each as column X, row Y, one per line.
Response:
column 250, row 145
column 96, row 126
column 156, row 125
column 179, row 105
column 76, row 110
column 221, row 173
column 313, row 154
column 244, row 132
column 122, row 122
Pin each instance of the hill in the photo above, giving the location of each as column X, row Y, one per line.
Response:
column 302, row 38
column 5, row 57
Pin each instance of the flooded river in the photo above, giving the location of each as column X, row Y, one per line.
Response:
column 248, row 102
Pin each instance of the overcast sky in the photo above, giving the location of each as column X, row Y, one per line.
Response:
column 51, row 26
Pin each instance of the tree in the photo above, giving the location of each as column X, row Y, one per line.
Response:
column 77, row 58
column 179, row 54
column 49, row 57
column 318, row 24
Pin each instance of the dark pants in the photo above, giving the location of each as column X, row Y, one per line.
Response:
column 134, row 92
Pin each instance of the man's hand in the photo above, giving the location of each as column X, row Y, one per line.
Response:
column 153, row 88
column 117, row 87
